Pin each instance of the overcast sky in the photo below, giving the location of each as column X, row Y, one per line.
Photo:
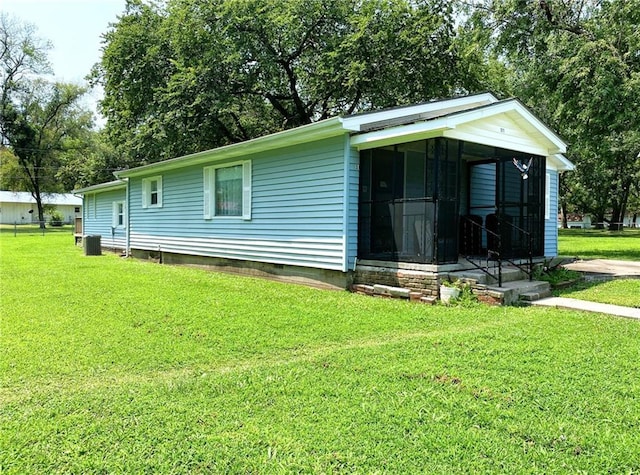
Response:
column 73, row 27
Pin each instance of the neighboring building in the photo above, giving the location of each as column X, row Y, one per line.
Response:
column 384, row 193
column 579, row 221
column 575, row 221
column 19, row 207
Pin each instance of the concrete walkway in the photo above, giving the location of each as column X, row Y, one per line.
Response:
column 585, row 306
column 606, row 268
column 598, row 269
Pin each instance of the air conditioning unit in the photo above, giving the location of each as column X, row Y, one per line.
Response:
column 92, row 245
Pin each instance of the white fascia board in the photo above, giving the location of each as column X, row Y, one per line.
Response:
column 356, row 122
column 112, row 185
column 446, row 126
column 512, row 105
column 561, row 163
column 307, row 133
column 400, row 134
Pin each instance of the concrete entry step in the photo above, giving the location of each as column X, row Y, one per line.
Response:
column 509, row 274
column 515, row 291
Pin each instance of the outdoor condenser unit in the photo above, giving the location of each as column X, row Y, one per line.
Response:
column 92, row 246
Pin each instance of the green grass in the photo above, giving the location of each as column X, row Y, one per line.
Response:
column 110, row 365
column 624, row 292
column 603, row 244
column 600, row 244
column 10, row 229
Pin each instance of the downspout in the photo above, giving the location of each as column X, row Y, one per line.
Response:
column 81, row 217
column 127, row 234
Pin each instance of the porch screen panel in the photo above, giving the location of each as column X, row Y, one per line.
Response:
column 521, row 204
column 365, row 206
column 448, row 172
column 396, row 218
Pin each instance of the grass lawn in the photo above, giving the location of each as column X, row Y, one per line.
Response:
column 600, row 244
column 617, row 292
column 111, row 365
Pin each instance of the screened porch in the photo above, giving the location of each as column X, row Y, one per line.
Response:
column 430, row 201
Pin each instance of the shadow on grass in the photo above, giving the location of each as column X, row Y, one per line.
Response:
column 620, row 254
column 580, row 285
column 22, row 229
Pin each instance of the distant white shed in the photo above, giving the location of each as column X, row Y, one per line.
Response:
column 20, row 207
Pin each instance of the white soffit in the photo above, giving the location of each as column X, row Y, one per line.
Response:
column 561, row 163
column 546, row 141
column 368, row 120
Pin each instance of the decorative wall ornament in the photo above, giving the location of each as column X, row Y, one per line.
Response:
column 524, row 169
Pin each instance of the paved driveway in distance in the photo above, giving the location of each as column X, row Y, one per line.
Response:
column 598, row 269
column 606, row 268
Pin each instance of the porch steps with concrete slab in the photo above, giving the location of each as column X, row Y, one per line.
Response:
column 516, row 286
column 476, row 276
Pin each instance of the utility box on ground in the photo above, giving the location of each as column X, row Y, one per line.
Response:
column 92, row 245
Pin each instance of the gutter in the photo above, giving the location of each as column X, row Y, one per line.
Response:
column 307, row 133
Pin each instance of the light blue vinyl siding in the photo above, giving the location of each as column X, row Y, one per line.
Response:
column 551, row 224
column 483, row 195
column 296, row 217
column 100, row 222
column 353, row 187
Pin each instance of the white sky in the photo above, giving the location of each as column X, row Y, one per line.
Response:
column 74, row 28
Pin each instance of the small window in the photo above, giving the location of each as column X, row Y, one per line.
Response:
column 227, row 190
column 118, row 214
column 152, row 192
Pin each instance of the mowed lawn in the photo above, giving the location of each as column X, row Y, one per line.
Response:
column 600, row 244
column 112, row 365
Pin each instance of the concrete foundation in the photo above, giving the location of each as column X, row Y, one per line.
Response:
column 313, row 277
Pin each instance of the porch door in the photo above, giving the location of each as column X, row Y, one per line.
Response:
column 520, row 203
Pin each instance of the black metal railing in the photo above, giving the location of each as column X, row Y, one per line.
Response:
column 528, row 239
column 482, row 257
column 475, row 253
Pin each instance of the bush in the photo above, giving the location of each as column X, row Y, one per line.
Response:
column 556, row 275
column 56, row 218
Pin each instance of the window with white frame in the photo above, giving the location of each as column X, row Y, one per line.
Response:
column 227, row 190
column 119, row 212
column 152, row 192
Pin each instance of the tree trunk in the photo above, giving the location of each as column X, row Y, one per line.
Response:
column 620, row 209
column 563, row 211
column 599, row 224
column 616, row 219
column 40, row 211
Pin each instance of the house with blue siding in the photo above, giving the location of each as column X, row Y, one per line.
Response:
column 414, row 190
column 105, row 213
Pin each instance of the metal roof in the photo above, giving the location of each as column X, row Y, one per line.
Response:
column 58, row 199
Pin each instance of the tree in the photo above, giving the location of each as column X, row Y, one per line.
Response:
column 45, row 124
column 22, row 54
column 40, row 121
column 92, row 161
column 190, row 75
column 577, row 64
